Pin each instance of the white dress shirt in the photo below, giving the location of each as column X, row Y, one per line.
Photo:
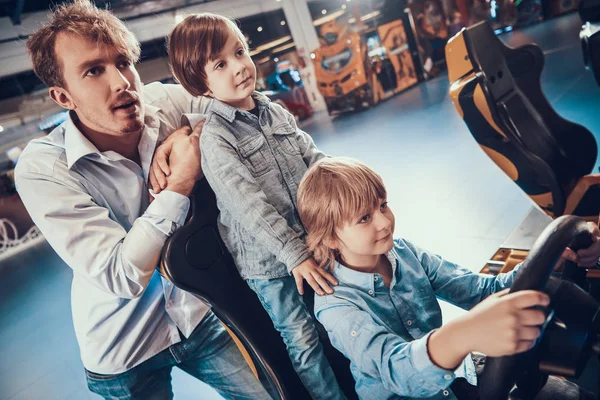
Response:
column 93, row 208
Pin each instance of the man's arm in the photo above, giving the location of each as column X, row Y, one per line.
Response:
column 91, row 243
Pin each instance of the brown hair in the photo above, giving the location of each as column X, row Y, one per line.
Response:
column 81, row 18
column 195, row 41
column 332, row 193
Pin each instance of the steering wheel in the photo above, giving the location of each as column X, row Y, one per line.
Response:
column 571, row 322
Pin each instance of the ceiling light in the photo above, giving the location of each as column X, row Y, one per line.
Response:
column 324, row 12
column 259, row 29
column 282, row 23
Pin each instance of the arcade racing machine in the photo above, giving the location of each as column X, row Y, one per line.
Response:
column 496, row 90
column 196, row 260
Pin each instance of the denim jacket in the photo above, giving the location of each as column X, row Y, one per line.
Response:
column 384, row 331
column 254, row 165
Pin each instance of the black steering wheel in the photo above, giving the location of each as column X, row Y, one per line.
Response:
column 572, row 326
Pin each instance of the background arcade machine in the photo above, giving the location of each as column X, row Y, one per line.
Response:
column 285, row 84
column 356, row 67
column 496, row 90
column 589, row 12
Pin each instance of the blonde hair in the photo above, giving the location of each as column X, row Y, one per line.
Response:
column 332, row 193
column 196, row 41
column 81, row 18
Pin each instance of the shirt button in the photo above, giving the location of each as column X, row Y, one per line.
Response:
column 370, row 292
column 447, row 377
column 445, row 393
column 376, row 278
column 409, row 322
column 353, row 333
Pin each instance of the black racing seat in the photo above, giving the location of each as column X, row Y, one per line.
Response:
column 196, row 260
column 496, row 90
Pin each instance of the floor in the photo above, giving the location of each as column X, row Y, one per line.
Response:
column 447, row 196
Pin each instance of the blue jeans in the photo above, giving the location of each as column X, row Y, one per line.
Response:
column 209, row 354
column 291, row 318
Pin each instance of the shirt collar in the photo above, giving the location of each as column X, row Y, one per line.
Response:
column 78, row 146
column 364, row 280
column 229, row 112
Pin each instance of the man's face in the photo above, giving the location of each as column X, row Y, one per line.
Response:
column 362, row 240
column 232, row 75
column 101, row 86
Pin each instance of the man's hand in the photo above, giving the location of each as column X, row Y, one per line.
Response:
column 160, row 170
column 586, row 257
column 184, row 160
column 316, row 277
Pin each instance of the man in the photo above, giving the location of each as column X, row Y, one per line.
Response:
column 85, row 188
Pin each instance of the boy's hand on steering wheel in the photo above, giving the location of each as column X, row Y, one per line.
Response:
column 159, row 169
column 586, row 257
column 317, row 277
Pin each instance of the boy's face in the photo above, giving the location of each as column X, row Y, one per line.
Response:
column 231, row 76
column 362, row 240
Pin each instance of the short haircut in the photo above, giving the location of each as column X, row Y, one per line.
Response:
column 196, row 41
column 81, row 18
column 334, row 192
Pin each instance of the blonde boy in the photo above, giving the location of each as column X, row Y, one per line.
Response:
column 384, row 315
column 254, row 156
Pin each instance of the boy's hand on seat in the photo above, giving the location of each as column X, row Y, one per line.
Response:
column 586, row 257
column 505, row 324
column 316, row 277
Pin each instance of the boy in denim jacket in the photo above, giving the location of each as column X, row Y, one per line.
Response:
column 384, row 315
column 254, row 156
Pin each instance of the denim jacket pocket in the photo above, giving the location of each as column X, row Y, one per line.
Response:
column 252, row 156
column 285, row 136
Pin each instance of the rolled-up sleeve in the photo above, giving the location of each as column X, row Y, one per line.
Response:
column 94, row 245
column 239, row 192
column 403, row 367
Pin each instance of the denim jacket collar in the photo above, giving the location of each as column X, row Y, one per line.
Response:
column 365, row 281
column 229, row 112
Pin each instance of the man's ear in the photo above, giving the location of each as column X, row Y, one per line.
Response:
column 62, row 97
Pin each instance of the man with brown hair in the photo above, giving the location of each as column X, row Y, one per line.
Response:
column 84, row 186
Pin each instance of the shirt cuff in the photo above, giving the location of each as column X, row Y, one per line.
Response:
column 433, row 375
column 170, row 206
column 293, row 253
column 192, row 119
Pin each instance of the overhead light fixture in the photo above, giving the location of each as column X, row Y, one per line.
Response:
column 282, row 23
column 269, row 45
column 313, row 56
column 332, row 16
column 323, row 12
column 259, row 29
column 343, row 6
column 284, row 47
column 276, row 59
column 1, row 128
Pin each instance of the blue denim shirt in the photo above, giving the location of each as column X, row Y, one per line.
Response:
column 254, row 165
column 384, row 331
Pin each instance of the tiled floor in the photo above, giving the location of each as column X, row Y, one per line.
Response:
column 447, row 196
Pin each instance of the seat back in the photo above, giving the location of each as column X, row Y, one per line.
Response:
column 196, row 260
column 496, row 90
